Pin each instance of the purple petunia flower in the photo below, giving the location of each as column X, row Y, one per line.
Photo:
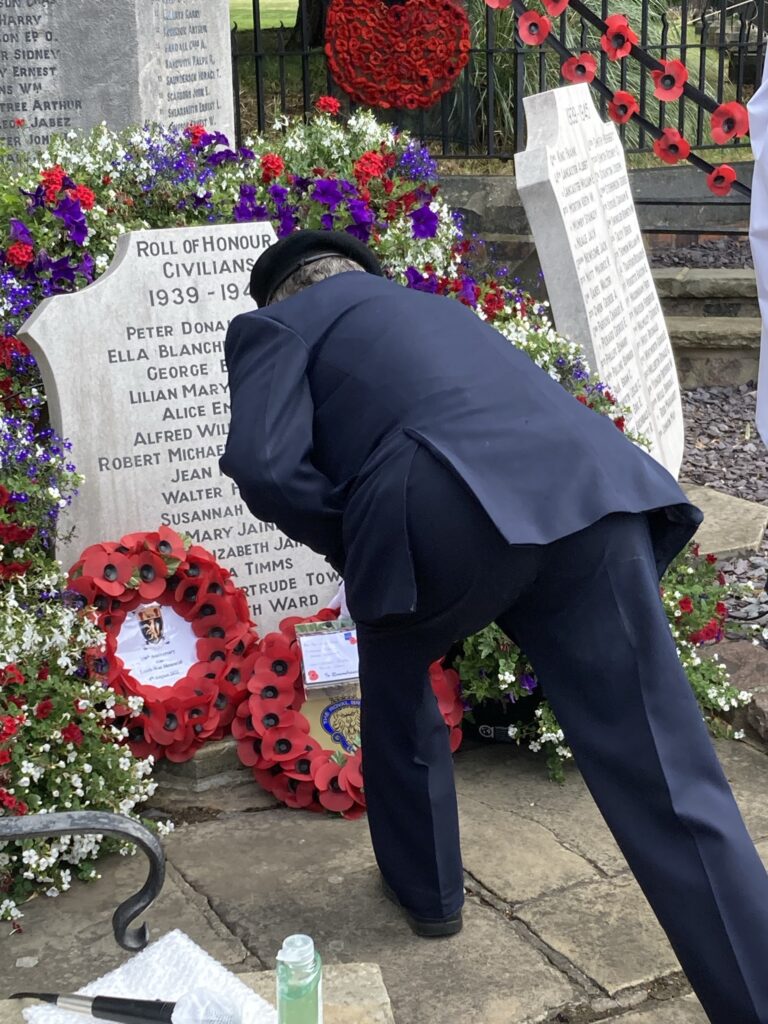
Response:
column 424, row 222
column 20, row 232
column 416, row 280
column 528, row 682
column 70, row 211
column 326, row 222
column 327, row 192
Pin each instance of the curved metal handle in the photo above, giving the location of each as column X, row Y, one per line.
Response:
column 104, row 823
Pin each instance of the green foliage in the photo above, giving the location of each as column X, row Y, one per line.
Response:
column 493, row 669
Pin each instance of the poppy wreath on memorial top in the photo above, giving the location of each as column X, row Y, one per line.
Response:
column 273, row 736
column 179, row 643
column 396, row 53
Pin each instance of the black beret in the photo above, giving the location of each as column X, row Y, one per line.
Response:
column 301, row 247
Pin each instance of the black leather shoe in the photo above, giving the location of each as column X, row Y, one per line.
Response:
column 437, row 928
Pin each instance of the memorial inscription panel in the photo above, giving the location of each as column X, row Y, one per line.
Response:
column 134, row 372
column 71, row 64
column 575, row 188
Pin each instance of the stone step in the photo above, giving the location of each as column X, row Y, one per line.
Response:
column 707, row 293
column 715, row 350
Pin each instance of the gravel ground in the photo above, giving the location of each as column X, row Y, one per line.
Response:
column 730, row 252
column 724, row 451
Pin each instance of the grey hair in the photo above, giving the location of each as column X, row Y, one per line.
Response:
column 311, row 273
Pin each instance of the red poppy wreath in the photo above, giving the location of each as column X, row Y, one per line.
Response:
column 396, row 53
column 178, row 636
column 273, row 736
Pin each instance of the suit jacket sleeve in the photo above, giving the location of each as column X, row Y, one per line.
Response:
column 269, row 448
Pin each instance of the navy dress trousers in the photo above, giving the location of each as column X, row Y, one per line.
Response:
column 453, row 483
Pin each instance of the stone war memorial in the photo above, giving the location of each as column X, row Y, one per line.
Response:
column 574, row 185
column 184, row 678
column 145, row 405
column 164, row 60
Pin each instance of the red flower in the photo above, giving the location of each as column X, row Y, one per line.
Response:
column 555, row 8
column 272, row 166
column 19, row 255
column 44, row 709
column 670, row 80
column 721, row 610
column 10, row 725
column 328, row 105
column 19, row 122
column 11, row 675
column 72, row 734
column 500, row 5
column 109, row 570
column 533, row 28
column 686, row 605
column 5, row 496
column 729, row 121
column 721, row 179
column 671, row 147
column 369, row 165
column 195, row 133
column 21, row 807
column 620, row 422
column 711, row 558
column 622, row 107
column 84, row 196
column 5, row 756
column 52, row 179
column 618, row 38
column 283, row 744
column 330, row 794
column 151, row 571
column 580, row 69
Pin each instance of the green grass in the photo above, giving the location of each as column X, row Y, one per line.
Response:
column 272, row 13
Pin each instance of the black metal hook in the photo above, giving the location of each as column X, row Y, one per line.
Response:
column 103, row 823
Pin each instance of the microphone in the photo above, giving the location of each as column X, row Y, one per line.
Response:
column 198, row 1007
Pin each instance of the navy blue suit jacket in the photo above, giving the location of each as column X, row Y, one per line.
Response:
column 333, row 389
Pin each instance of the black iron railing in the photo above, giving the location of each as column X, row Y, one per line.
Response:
column 282, row 71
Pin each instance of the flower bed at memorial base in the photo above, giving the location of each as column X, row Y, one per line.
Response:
column 61, row 213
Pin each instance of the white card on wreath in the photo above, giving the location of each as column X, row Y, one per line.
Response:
column 328, row 651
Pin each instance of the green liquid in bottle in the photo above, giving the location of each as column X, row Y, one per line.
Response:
column 299, row 982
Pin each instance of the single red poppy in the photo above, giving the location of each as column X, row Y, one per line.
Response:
column 301, row 767
column 729, row 121
column 671, row 147
column 623, row 107
column 242, row 723
column 266, row 716
column 282, row 744
column 721, row 180
column 142, row 745
column 580, row 69
column 109, row 570
column 618, row 39
column 151, row 573
column 330, row 794
column 250, row 754
column 277, row 690
column 85, row 586
column 533, row 28
column 499, row 5
column 555, row 8
column 292, row 792
column 670, row 80
column 166, row 721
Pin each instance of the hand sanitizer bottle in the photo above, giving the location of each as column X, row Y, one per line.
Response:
column 299, row 982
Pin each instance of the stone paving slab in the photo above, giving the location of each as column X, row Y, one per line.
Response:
column 607, row 930
column 502, row 777
column 68, row 941
column 732, row 526
column 516, row 859
column 686, row 1010
column 319, row 877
